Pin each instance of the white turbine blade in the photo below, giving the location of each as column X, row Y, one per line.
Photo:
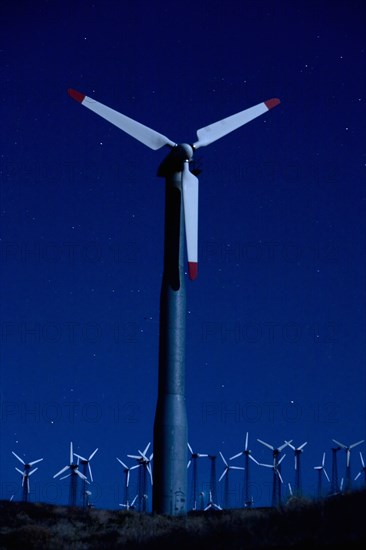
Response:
column 128, row 478
column 348, row 457
column 148, row 467
column 357, row 476
column 81, row 457
column 32, row 472
column 355, row 444
column 219, row 129
column 223, row 474
column 189, row 463
column 362, row 462
column 266, row 444
column 323, row 461
column 134, row 500
column 296, row 457
column 27, row 482
column 266, row 465
column 285, row 445
column 137, row 457
column 190, row 448
column 223, row 459
column 123, row 464
column 279, row 462
column 326, row 475
column 254, row 460
column 151, row 457
column 35, row 461
column 290, row 445
column 236, row 468
column 302, row 446
column 20, row 471
column 318, row 467
column 64, row 477
column 18, row 457
column 71, row 453
column 279, row 475
column 142, row 133
column 246, row 441
column 93, row 453
column 340, row 444
column 90, row 472
column 190, row 201
column 236, row 456
column 200, row 455
column 81, row 475
column 290, row 489
column 61, row 471
column 146, row 449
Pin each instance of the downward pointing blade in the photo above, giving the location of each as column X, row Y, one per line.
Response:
column 142, row 133
column 223, row 474
column 219, row 129
column 90, row 472
column 362, row 462
column 348, row 455
column 326, row 475
column 190, row 201
column 223, row 459
column 71, row 453
column 279, row 475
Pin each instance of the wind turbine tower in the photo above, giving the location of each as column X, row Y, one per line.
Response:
column 276, row 467
column 144, row 462
column 181, row 216
column 347, row 448
column 85, row 462
column 27, row 472
column 193, row 461
column 334, row 484
column 248, row 500
column 321, row 470
column 127, row 471
column 225, row 474
column 73, row 475
column 363, row 469
column 297, row 453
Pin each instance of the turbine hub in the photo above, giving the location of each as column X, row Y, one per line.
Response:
column 187, row 149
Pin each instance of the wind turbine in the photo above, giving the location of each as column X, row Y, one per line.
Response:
column 85, row 462
column 211, row 504
column 297, row 452
column 74, row 474
column 248, row 501
column 347, row 448
column 27, row 472
column 193, row 461
column 225, row 474
column 362, row 470
column 213, row 493
column 277, row 478
column 181, row 203
column 127, row 471
column 321, row 470
column 129, row 506
column 144, row 462
column 334, row 485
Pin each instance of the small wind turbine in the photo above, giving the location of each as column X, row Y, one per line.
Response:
column 27, row 472
column 181, row 216
column 347, row 448
column 144, row 462
column 225, row 474
column 129, row 506
column 127, row 471
column 85, row 462
column 362, row 470
column 193, row 461
column 248, row 500
column 211, row 504
column 320, row 470
column 277, row 478
column 74, row 474
column 297, row 452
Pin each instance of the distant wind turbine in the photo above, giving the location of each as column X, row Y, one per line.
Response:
column 248, row 500
column 276, row 466
column 347, row 448
column 297, row 453
column 85, row 462
column 225, row 474
column 27, row 472
column 74, row 474
column 362, row 470
column 321, row 470
column 193, row 460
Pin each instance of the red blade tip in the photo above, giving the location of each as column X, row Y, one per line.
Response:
column 192, row 270
column 270, row 103
column 76, row 95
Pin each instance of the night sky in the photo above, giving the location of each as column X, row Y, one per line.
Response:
column 276, row 318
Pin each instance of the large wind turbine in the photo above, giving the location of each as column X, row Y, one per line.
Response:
column 181, row 203
column 347, row 448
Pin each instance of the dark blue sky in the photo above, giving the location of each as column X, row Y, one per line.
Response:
column 276, row 318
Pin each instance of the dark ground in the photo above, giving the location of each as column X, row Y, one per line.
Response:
column 337, row 522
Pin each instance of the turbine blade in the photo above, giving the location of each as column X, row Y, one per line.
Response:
column 246, row 441
column 81, row 457
column 35, row 461
column 340, row 444
column 189, row 463
column 142, row 133
column 279, row 475
column 223, row 459
column 266, row 465
column 20, row 471
column 302, row 446
column 362, row 462
column 279, row 462
column 120, row 461
column 128, row 478
column 71, row 453
column 81, row 475
column 200, row 455
column 32, row 472
column 223, row 474
column 357, row 476
column 290, row 445
column 326, row 475
column 348, row 455
column 355, row 444
column 93, row 453
column 254, row 460
column 236, row 456
column 61, row 471
column 285, row 445
column 190, row 448
column 323, row 461
column 190, row 201
column 18, row 457
column 236, row 468
column 219, row 129
column 146, row 449
column 90, row 472
column 266, row 444
column 64, row 477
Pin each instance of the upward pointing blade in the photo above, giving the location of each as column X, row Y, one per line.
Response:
column 142, row 133
column 190, row 201
column 219, row 129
